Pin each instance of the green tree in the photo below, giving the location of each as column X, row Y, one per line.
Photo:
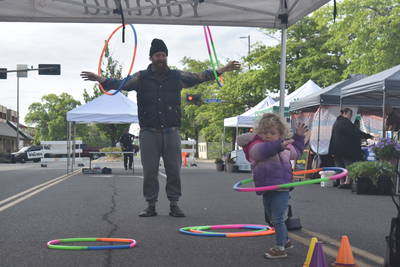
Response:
column 49, row 117
column 369, row 33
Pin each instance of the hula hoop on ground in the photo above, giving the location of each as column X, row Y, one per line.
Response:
column 257, row 230
column 132, row 62
column 54, row 244
column 213, row 56
column 341, row 173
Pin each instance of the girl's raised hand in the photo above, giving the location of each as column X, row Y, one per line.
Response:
column 301, row 129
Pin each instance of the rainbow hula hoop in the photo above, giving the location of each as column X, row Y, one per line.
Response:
column 132, row 63
column 54, row 244
column 257, row 230
column 214, row 64
column 342, row 173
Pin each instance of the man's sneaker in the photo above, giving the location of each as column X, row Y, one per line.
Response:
column 275, row 253
column 148, row 212
column 289, row 244
column 175, row 211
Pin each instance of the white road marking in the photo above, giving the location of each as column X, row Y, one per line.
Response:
column 34, row 190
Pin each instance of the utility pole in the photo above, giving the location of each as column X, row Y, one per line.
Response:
column 22, row 72
column 248, row 44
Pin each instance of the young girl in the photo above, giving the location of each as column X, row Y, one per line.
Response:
column 270, row 154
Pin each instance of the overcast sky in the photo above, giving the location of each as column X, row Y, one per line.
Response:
column 77, row 47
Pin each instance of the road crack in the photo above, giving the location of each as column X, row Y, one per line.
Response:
column 107, row 217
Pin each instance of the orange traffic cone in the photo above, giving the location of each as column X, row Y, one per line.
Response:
column 345, row 254
column 310, row 252
column 184, row 158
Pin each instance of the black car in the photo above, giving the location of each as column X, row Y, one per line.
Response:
column 27, row 153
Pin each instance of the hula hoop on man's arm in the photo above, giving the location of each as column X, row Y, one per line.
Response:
column 130, row 67
column 341, row 173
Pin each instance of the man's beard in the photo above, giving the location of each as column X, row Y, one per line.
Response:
column 160, row 66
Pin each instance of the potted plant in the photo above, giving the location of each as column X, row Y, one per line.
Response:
column 371, row 177
column 387, row 149
column 230, row 165
column 219, row 163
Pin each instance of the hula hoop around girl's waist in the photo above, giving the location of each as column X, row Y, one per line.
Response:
column 341, row 173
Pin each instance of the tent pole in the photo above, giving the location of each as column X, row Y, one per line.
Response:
column 282, row 73
column 68, row 144
column 383, row 111
column 73, row 145
column 237, row 133
column 223, row 143
column 319, row 127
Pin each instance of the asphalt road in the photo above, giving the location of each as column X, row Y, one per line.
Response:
column 107, row 206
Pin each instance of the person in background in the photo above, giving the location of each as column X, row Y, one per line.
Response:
column 126, row 141
column 392, row 119
column 345, row 143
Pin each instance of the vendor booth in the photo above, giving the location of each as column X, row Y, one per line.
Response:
column 116, row 109
column 322, row 106
column 375, row 94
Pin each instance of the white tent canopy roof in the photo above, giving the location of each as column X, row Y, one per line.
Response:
column 254, row 13
column 306, row 89
column 105, row 109
column 247, row 118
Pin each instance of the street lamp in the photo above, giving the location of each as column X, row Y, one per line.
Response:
column 248, row 42
column 21, row 73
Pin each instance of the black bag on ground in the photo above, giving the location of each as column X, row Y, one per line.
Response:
column 106, row 170
column 292, row 223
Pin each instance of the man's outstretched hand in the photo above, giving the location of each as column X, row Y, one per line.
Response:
column 232, row 65
column 90, row 76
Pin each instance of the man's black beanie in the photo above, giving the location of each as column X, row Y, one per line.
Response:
column 158, row 45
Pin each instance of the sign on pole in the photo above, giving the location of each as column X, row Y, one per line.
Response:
column 22, row 70
column 212, row 100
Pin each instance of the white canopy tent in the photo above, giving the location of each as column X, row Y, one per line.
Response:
column 247, row 119
column 255, row 13
column 105, row 109
column 278, row 14
column 308, row 89
column 117, row 109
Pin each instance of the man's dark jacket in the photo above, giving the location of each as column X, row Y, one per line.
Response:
column 346, row 140
column 159, row 95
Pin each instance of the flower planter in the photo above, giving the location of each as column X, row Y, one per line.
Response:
column 220, row 166
column 364, row 186
column 385, row 186
column 231, row 168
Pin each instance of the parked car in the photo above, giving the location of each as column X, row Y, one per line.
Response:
column 28, row 153
column 5, row 158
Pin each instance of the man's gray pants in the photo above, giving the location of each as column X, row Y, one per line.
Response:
column 165, row 143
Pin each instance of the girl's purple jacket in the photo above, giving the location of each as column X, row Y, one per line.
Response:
column 269, row 161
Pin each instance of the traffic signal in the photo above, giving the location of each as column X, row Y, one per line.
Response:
column 3, row 73
column 49, row 69
column 193, row 99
